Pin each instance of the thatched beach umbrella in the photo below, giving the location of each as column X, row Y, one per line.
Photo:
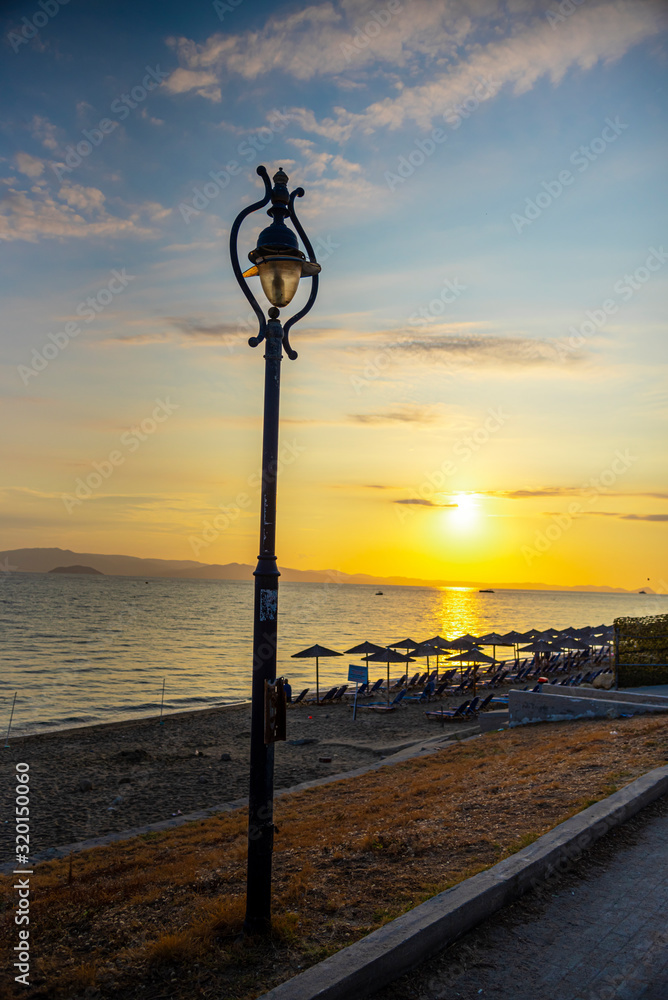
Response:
column 543, row 647
column 389, row 655
column 514, row 638
column 493, row 639
column 474, row 656
column 403, row 644
column 462, row 642
column 440, row 644
column 426, row 649
column 314, row 653
column 570, row 642
column 365, row 649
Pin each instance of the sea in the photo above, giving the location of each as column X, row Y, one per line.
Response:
column 79, row 649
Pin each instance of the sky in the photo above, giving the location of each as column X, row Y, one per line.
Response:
column 480, row 393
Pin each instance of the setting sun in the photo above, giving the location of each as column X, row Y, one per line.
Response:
column 467, row 511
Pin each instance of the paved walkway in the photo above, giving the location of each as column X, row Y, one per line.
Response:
column 597, row 932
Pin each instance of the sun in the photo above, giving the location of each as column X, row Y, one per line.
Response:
column 466, row 512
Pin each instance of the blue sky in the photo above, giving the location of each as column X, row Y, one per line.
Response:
column 458, row 271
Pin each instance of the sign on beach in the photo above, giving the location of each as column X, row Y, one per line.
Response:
column 359, row 673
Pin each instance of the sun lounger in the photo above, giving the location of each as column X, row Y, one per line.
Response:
column 378, row 706
column 326, row 698
column 425, row 695
column 449, row 716
column 340, row 693
column 300, row 697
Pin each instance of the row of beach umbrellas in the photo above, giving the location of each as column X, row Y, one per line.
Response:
column 467, row 648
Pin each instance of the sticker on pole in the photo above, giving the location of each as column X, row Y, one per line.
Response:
column 358, row 673
column 268, row 605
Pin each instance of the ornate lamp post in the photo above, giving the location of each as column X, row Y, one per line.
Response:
column 279, row 263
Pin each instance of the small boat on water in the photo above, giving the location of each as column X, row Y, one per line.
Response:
column 379, row 593
column 485, row 591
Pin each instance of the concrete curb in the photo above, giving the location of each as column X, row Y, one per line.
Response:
column 371, row 963
column 408, row 752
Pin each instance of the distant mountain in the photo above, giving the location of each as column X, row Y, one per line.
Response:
column 76, row 569
column 46, row 560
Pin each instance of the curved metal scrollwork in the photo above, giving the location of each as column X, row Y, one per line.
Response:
column 236, row 267
column 299, row 193
column 234, row 233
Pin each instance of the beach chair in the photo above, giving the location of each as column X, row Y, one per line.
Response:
column 425, row 695
column 326, row 698
column 438, row 693
column 378, row 706
column 444, row 715
column 340, row 693
column 376, row 687
column 300, row 697
column 484, row 703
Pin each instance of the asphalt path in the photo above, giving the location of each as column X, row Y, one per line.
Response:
column 598, row 931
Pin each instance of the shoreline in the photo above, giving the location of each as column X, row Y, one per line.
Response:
column 88, row 726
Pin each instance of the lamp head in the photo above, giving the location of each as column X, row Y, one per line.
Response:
column 277, row 258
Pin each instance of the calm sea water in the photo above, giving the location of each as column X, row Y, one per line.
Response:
column 83, row 649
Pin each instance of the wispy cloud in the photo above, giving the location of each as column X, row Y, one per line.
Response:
column 76, row 211
column 44, row 131
column 402, row 415
column 320, row 40
column 203, row 82
column 472, row 349
column 627, row 517
column 425, row 503
column 566, row 491
column 29, row 165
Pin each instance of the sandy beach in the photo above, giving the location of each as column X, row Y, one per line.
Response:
column 94, row 780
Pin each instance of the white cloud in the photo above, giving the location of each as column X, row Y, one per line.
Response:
column 42, row 216
column 29, row 165
column 84, row 198
column 202, row 82
column 42, row 130
column 340, row 184
column 331, row 38
column 453, row 38
column 600, row 33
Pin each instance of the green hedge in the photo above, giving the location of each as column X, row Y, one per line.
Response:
column 641, row 651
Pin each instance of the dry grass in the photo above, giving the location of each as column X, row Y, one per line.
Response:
column 159, row 915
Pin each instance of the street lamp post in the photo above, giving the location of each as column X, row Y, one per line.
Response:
column 280, row 264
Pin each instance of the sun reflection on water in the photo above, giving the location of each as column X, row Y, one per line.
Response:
column 458, row 612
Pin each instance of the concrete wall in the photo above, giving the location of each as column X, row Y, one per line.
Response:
column 530, row 706
column 490, row 721
column 587, row 692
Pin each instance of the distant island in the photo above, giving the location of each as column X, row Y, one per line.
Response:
column 38, row 560
column 77, row 569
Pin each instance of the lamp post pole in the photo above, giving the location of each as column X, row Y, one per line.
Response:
column 280, row 264
column 261, row 788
